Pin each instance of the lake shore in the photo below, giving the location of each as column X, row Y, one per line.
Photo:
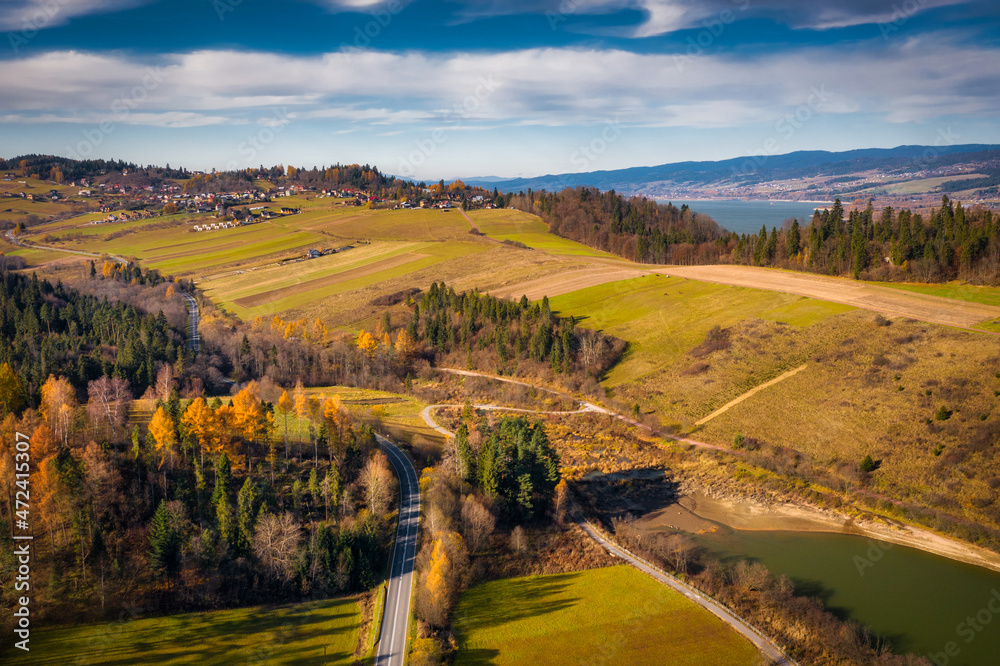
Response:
column 697, row 511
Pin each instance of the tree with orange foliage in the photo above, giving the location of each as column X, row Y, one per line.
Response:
column 405, row 346
column 367, row 343
column 161, row 427
column 250, row 419
column 58, row 405
column 284, row 407
column 199, row 419
column 108, row 270
column 301, row 409
column 443, row 579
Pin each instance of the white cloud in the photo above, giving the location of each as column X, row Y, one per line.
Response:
column 909, row 81
column 27, row 16
column 665, row 16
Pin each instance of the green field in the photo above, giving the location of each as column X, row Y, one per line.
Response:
column 959, row 292
column 294, row 634
column 530, row 230
column 664, row 317
column 610, row 616
column 281, row 288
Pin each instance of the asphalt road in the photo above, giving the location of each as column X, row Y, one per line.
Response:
column 194, row 338
column 396, row 615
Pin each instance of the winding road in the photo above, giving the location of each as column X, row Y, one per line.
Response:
column 391, row 649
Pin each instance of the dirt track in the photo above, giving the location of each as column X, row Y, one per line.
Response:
column 922, row 307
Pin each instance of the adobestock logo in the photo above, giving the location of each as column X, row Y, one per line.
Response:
column 968, row 630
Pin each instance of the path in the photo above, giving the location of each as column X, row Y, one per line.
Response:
column 20, row 243
column 475, row 227
column 763, row 644
column 584, row 407
column 391, row 649
column 751, row 392
column 769, row 649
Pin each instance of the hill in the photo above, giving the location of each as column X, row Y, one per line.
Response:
column 798, row 175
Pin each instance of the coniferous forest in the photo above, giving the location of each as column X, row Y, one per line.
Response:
column 950, row 242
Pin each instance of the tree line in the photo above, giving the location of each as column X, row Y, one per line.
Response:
column 48, row 329
column 951, row 242
column 636, row 228
column 474, row 329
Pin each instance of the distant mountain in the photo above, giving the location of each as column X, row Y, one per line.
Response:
column 743, row 172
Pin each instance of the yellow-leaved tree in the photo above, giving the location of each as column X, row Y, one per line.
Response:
column 367, row 343
column 161, row 427
column 58, row 405
column 284, row 407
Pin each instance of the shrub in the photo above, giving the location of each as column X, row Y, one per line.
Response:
column 868, row 465
column 943, row 414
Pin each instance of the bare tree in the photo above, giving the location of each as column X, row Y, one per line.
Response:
column 477, row 523
column 519, row 540
column 164, row 381
column 679, row 549
column 378, row 483
column 108, row 406
column 276, row 544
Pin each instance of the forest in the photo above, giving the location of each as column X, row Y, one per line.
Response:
column 951, row 242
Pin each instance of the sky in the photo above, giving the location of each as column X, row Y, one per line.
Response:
column 431, row 89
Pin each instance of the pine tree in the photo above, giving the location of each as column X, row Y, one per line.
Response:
column 165, row 543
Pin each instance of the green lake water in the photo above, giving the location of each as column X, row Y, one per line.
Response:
column 920, row 603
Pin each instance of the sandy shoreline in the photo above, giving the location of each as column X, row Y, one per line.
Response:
column 697, row 512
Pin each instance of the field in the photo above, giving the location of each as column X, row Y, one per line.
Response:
column 960, row 292
column 614, row 616
column 295, row 634
column 530, row 230
column 663, row 318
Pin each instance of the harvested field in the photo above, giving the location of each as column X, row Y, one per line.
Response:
column 923, row 307
column 319, row 283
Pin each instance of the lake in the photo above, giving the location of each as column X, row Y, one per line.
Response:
column 919, row 602
column 746, row 217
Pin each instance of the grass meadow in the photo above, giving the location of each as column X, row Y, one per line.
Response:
column 291, row 634
column 615, row 615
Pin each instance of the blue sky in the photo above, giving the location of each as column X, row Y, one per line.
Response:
column 446, row 88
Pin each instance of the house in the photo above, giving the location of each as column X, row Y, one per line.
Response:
column 313, row 254
column 84, row 193
column 285, row 210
